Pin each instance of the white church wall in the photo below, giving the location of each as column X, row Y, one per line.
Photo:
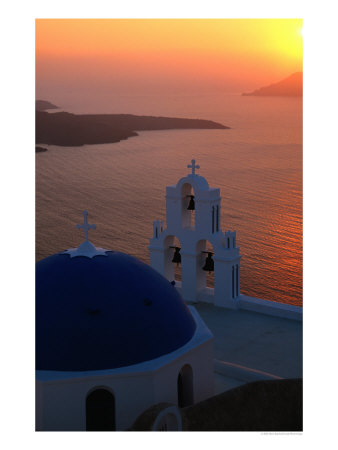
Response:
column 206, row 295
column 64, row 401
column 226, row 287
column 39, row 406
column 173, row 204
column 189, row 276
column 207, row 219
column 62, row 406
column 62, row 395
column 203, row 372
column 271, row 308
column 134, row 395
column 157, row 260
column 200, row 359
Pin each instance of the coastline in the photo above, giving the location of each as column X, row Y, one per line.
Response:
column 71, row 130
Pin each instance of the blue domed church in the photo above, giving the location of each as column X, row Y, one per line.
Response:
column 113, row 338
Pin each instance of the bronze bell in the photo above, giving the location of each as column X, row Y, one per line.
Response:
column 209, row 263
column 191, row 205
column 177, row 255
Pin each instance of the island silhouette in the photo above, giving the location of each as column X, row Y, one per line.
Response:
column 66, row 129
column 291, row 86
column 43, row 105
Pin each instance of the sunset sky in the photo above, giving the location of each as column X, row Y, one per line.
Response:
column 142, row 56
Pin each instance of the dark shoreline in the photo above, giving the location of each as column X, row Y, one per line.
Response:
column 65, row 129
column 40, row 149
column 44, row 105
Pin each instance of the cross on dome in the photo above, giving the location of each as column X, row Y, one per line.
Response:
column 193, row 166
column 86, row 248
column 86, row 226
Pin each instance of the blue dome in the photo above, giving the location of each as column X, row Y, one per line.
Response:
column 105, row 312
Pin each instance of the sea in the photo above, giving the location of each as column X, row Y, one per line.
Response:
column 257, row 164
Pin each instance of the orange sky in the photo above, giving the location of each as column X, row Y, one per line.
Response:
column 163, row 55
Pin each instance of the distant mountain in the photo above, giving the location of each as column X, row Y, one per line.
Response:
column 67, row 129
column 40, row 149
column 291, row 86
column 42, row 105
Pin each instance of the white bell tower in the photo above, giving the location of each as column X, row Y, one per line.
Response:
column 193, row 216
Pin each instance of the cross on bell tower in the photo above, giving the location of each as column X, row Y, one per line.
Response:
column 193, row 166
column 86, row 226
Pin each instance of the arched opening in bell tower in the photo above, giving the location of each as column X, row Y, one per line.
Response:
column 188, row 206
column 204, row 265
column 172, row 259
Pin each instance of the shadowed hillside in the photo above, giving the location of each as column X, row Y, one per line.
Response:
column 267, row 405
column 67, row 129
column 289, row 87
column 42, row 105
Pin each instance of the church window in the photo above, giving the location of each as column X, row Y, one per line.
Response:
column 237, row 280
column 100, row 411
column 233, row 282
column 185, row 390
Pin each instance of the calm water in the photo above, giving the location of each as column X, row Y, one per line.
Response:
column 257, row 164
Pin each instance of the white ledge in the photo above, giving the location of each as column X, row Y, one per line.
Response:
column 86, row 249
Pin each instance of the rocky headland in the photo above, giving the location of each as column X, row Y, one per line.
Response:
column 40, row 149
column 43, row 105
column 66, row 129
